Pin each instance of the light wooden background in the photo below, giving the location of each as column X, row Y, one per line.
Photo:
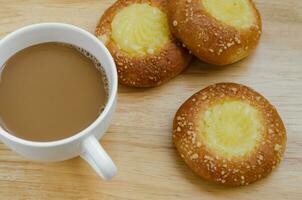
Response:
column 139, row 139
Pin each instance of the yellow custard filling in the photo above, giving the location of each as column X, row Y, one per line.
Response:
column 140, row 29
column 237, row 13
column 231, row 128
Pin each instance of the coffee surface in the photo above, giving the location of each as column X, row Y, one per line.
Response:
column 50, row 91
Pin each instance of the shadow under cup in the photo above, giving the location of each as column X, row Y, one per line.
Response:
column 84, row 143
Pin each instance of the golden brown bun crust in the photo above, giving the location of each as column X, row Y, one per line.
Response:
column 209, row 39
column 144, row 71
column 236, row 171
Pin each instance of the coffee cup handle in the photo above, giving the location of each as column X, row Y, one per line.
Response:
column 98, row 159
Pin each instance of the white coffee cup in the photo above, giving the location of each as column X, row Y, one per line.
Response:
column 84, row 143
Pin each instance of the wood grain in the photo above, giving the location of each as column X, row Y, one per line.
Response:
column 139, row 139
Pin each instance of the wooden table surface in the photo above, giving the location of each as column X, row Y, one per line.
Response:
column 139, row 139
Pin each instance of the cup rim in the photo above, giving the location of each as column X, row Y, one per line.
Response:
column 112, row 94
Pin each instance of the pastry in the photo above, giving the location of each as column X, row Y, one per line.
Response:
column 219, row 32
column 230, row 134
column 137, row 34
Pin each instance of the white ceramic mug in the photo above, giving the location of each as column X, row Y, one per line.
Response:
column 84, row 143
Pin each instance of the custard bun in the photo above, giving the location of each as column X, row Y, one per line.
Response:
column 137, row 34
column 229, row 134
column 219, row 32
